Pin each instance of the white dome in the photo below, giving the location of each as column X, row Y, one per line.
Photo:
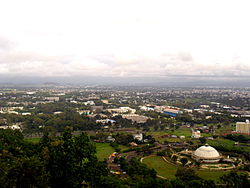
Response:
column 206, row 152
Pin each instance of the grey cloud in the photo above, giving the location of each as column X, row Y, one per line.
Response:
column 180, row 64
column 168, row 64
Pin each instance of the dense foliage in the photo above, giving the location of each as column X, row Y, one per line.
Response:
column 70, row 161
column 238, row 138
column 65, row 161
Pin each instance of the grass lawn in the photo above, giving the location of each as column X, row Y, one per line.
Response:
column 182, row 132
column 162, row 168
column 33, row 140
column 172, row 140
column 168, row 170
column 122, row 147
column 206, row 134
column 225, row 129
column 103, row 150
column 213, row 175
column 221, row 141
column 157, row 133
column 178, row 132
column 229, row 144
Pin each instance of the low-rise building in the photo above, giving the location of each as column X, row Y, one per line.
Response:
column 196, row 134
column 122, row 110
column 85, row 112
column 57, row 112
column 52, row 99
column 138, row 136
column 146, row 108
column 16, row 126
column 110, row 139
column 133, row 144
column 106, row 121
column 95, row 108
column 26, row 113
column 136, row 118
column 89, row 103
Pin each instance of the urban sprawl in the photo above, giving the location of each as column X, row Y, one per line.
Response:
column 202, row 131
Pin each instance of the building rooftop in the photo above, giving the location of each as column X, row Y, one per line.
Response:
column 206, row 152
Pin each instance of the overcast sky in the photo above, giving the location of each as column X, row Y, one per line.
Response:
column 147, row 38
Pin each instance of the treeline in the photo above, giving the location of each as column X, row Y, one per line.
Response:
column 70, row 161
column 65, row 161
column 198, row 118
column 43, row 116
column 35, row 123
column 238, row 138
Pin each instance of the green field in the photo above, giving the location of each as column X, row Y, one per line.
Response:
column 221, row 141
column 162, row 168
column 228, row 144
column 212, row 175
column 178, row 132
column 182, row 132
column 33, row 140
column 103, row 150
column 168, row 170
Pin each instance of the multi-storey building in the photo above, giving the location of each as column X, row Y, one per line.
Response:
column 243, row 127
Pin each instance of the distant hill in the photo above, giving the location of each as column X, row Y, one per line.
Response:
column 170, row 81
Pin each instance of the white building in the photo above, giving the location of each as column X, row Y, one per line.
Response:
column 14, row 127
column 146, row 108
column 122, row 110
column 89, row 103
column 30, row 92
column 57, row 112
column 206, row 154
column 110, row 139
column 8, row 109
column 243, row 127
column 85, row 112
column 52, row 99
column 104, row 121
column 138, row 137
column 204, row 106
column 135, row 118
column 196, row 134
column 26, row 113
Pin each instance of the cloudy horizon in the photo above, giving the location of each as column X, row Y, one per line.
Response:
column 124, row 38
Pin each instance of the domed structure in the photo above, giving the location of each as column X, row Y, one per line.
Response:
column 206, row 154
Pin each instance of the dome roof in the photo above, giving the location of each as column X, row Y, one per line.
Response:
column 206, row 152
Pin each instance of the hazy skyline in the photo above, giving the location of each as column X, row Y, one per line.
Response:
column 115, row 38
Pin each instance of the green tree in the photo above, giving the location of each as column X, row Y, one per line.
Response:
column 234, row 179
column 186, row 174
column 202, row 140
column 174, row 158
column 26, row 172
column 183, row 161
column 71, row 160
